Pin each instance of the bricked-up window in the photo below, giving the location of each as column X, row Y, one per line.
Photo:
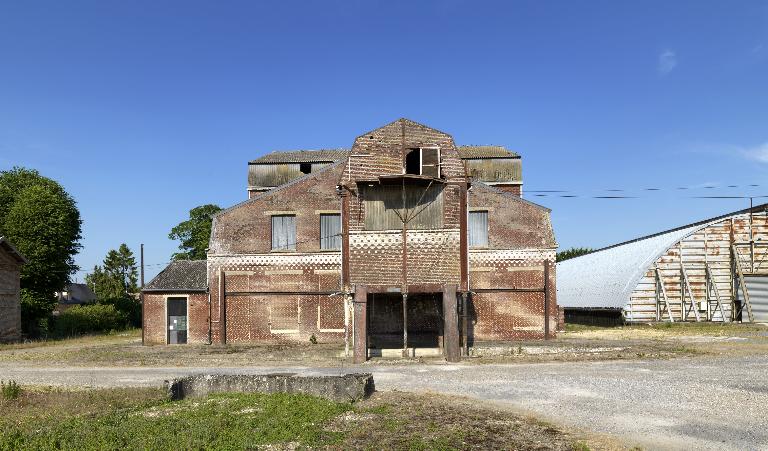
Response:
column 423, row 161
column 284, row 233
column 386, row 207
column 330, row 231
column 284, row 315
column 478, row 229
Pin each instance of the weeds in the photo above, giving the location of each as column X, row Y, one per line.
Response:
column 11, row 390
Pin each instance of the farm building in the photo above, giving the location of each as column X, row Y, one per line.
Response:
column 392, row 244
column 711, row 270
column 10, row 300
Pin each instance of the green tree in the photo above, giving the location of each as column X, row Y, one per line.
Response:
column 573, row 253
column 42, row 220
column 117, row 277
column 115, row 283
column 194, row 233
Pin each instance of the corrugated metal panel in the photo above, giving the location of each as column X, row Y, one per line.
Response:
column 330, row 231
column 478, row 228
column 284, row 232
column 272, row 174
column 495, row 170
column 384, row 207
column 757, row 287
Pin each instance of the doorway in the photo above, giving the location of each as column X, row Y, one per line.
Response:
column 177, row 320
column 385, row 320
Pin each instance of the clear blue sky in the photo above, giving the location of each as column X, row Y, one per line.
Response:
column 145, row 109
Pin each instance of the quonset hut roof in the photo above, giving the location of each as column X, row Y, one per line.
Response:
column 607, row 277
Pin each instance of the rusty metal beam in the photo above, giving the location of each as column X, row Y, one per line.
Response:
column 743, row 285
column 546, row 299
column 360, row 326
column 451, row 348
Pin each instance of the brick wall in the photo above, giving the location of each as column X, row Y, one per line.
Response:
column 10, row 307
column 154, row 322
column 251, row 302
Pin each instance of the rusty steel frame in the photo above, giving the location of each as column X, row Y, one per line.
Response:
column 711, row 283
column 661, row 293
column 743, row 285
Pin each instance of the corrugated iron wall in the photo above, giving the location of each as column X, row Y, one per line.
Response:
column 710, row 247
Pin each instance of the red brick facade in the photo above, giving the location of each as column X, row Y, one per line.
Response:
column 257, row 293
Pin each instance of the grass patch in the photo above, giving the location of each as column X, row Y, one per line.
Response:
column 106, row 419
column 90, row 339
column 111, row 419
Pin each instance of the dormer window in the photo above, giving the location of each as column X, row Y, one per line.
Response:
column 423, row 161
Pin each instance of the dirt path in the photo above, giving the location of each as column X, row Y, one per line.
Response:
column 702, row 403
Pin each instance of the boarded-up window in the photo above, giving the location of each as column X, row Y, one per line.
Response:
column 283, row 315
column 330, row 231
column 478, row 229
column 387, row 206
column 330, row 314
column 284, row 232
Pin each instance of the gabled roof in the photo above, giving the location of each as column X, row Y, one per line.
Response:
column 302, row 156
column 10, row 249
column 182, row 275
column 607, row 277
column 334, row 155
column 479, row 152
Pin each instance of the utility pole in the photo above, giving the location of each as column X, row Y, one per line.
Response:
column 142, row 265
column 141, row 293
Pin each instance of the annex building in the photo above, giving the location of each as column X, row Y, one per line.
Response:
column 404, row 241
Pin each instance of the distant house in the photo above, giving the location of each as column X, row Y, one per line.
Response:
column 10, row 300
column 74, row 294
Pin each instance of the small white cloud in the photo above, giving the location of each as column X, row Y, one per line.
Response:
column 667, row 62
column 758, row 153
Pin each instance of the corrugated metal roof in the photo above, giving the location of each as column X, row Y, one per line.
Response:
column 607, row 277
column 333, row 155
column 303, row 156
column 471, row 152
column 182, row 275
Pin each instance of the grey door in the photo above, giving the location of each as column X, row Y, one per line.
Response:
column 757, row 287
column 177, row 321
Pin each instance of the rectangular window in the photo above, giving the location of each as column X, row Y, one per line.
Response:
column 284, row 233
column 478, row 229
column 330, row 231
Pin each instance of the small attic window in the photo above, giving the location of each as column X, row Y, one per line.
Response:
column 305, row 168
column 413, row 162
column 423, row 161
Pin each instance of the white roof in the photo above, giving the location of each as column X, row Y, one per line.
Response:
column 606, row 278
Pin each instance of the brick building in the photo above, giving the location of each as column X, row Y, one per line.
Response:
column 10, row 300
column 403, row 241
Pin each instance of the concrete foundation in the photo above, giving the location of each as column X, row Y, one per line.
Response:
column 343, row 388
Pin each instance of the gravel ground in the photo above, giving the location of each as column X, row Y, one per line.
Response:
column 686, row 403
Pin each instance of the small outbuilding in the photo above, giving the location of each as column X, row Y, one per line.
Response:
column 10, row 291
column 175, row 304
column 711, row 270
column 74, row 294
